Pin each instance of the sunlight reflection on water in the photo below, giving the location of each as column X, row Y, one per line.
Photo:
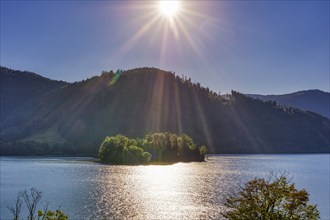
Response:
column 87, row 190
column 155, row 192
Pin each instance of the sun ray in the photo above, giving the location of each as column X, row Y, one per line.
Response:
column 156, row 104
column 164, row 45
column 133, row 40
column 204, row 123
column 192, row 43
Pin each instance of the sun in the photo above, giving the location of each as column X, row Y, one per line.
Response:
column 169, row 8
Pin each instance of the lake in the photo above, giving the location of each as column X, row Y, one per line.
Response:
column 84, row 189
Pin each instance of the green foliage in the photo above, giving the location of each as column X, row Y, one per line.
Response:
column 168, row 147
column 50, row 215
column 203, row 150
column 160, row 147
column 267, row 199
column 122, row 150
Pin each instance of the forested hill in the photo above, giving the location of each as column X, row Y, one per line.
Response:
column 77, row 117
column 310, row 100
column 20, row 94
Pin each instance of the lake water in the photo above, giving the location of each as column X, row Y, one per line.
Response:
column 88, row 190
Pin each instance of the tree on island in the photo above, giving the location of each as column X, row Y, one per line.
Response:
column 267, row 199
column 156, row 147
column 122, row 150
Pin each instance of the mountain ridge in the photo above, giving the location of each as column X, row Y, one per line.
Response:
column 314, row 100
column 76, row 117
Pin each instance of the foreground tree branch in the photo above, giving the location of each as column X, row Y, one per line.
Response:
column 31, row 199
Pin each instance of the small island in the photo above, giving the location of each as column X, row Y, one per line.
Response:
column 153, row 148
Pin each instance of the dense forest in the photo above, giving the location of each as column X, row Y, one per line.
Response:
column 74, row 118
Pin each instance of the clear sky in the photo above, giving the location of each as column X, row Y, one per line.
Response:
column 265, row 47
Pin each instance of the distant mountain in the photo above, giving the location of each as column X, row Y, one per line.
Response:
column 20, row 94
column 309, row 100
column 75, row 118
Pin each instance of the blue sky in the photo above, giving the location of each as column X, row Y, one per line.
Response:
column 265, row 47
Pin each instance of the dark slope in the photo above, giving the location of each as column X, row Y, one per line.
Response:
column 309, row 100
column 148, row 100
column 20, row 94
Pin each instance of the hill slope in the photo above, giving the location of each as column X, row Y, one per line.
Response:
column 20, row 94
column 145, row 100
column 309, row 100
